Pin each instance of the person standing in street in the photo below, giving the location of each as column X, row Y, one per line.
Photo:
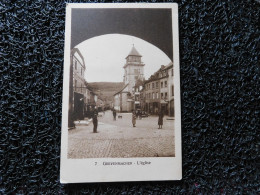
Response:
column 95, row 120
column 133, row 118
column 114, row 114
column 160, row 120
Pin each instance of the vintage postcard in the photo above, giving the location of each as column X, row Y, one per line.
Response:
column 121, row 117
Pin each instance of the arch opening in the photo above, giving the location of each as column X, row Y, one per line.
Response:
column 105, row 56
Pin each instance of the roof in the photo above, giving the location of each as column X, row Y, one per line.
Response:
column 155, row 75
column 121, row 89
column 134, row 52
column 74, row 50
column 169, row 65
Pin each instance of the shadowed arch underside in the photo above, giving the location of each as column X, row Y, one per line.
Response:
column 152, row 25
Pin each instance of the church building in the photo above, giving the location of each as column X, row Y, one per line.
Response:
column 133, row 72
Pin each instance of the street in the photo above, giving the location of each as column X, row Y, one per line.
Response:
column 119, row 139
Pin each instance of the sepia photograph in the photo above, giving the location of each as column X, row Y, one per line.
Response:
column 121, row 105
column 122, row 99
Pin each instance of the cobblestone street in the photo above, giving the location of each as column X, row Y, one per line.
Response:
column 119, row 139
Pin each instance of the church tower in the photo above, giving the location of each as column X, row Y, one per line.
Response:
column 134, row 69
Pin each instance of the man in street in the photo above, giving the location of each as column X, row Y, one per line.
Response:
column 160, row 119
column 114, row 114
column 133, row 118
column 95, row 120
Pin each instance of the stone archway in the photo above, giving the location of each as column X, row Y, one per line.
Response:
column 151, row 25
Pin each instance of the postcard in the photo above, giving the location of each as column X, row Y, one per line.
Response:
column 121, row 110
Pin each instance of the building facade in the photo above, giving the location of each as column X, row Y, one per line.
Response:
column 158, row 93
column 77, row 91
column 91, row 101
column 167, row 89
column 124, row 99
column 138, row 95
column 170, row 70
column 152, row 97
column 163, row 75
column 100, row 104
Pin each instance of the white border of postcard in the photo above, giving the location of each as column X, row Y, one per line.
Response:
column 84, row 170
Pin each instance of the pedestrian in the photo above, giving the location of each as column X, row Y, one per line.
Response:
column 95, row 120
column 133, row 118
column 160, row 120
column 114, row 114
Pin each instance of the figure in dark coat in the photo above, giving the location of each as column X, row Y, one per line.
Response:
column 133, row 118
column 114, row 114
column 160, row 120
column 95, row 120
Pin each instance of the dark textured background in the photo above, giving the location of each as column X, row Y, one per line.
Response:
column 219, row 93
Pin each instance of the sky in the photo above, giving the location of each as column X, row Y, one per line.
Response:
column 105, row 57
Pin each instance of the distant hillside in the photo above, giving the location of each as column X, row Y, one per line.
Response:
column 107, row 89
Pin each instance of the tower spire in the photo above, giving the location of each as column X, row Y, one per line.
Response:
column 134, row 68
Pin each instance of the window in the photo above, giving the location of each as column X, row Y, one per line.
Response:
column 75, row 85
column 172, row 90
column 157, row 95
column 149, row 95
column 153, row 85
column 76, row 64
column 165, row 83
column 80, row 87
column 161, row 95
column 153, row 96
column 161, row 84
column 165, row 95
column 157, row 84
